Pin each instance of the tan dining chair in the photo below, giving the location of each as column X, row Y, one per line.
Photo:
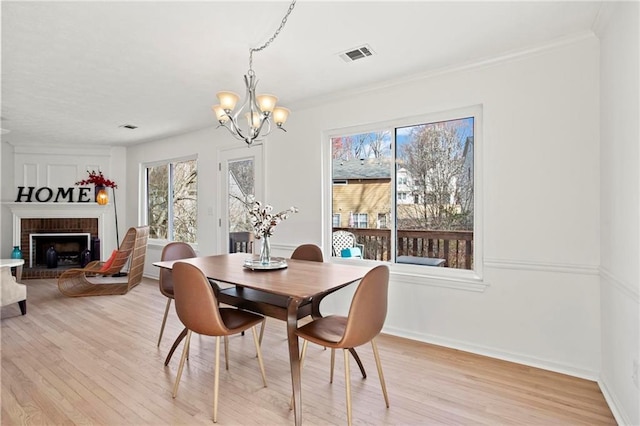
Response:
column 364, row 322
column 310, row 252
column 197, row 308
column 172, row 251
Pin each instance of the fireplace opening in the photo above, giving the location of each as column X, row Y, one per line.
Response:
column 68, row 247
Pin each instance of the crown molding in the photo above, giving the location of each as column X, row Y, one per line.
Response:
column 476, row 64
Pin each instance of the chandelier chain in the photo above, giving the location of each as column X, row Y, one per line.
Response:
column 273, row 37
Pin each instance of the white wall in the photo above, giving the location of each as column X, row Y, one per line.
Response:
column 541, row 202
column 620, row 209
column 59, row 166
column 205, row 145
column 7, row 190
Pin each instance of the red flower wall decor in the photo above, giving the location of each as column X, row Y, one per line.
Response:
column 97, row 179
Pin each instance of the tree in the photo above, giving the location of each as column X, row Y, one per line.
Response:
column 158, row 204
column 433, row 156
column 362, row 146
column 380, row 144
column 341, row 148
column 241, row 188
column 185, row 201
column 183, row 179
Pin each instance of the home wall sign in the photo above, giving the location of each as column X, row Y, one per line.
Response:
column 29, row 194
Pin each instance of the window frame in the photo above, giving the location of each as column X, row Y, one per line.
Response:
column 382, row 223
column 463, row 279
column 144, row 216
column 357, row 220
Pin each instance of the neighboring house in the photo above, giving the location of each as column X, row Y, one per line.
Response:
column 404, row 187
column 361, row 193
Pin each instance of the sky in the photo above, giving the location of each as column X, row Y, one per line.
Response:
column 465, row 129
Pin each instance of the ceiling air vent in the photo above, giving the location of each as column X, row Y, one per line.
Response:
column 357, row 53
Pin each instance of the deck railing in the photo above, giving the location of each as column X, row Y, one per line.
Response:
column 455, row 247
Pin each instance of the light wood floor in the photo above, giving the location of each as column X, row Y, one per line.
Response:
column 94, row 360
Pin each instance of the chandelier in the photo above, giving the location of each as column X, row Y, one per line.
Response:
column 259, row 111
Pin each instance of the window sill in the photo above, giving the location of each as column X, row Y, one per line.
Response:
column 156, row 243
column 425, row 275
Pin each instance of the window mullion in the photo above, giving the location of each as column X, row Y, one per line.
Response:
column 393, row 226
column 170, row 212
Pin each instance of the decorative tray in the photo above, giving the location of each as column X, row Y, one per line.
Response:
column 275, row 263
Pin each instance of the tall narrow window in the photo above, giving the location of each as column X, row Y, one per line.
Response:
column 172, row 200
column 420, row 177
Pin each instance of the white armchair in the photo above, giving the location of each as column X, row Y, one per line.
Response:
column 11, row 291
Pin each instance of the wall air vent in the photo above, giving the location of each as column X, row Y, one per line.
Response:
column 352, row 55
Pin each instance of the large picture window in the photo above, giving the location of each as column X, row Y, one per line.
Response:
column 172, row 200
column 420, row 176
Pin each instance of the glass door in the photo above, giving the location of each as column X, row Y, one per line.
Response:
column 241, row 170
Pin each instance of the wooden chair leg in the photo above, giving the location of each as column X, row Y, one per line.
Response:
column 264, row 324
column 164, row 320
column 303, row 353
column 333, row 363
column 259, row 352
column 226, row 352
column 184, row 356
column 216, row 380
column 380, row 375
column 23, row 307
column 347, row 384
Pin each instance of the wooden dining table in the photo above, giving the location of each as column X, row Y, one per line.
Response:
column 288, row 293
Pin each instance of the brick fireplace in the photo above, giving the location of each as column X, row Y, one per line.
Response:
column 37, row 234
column 70, row 228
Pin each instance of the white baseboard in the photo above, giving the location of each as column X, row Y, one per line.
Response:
column 621, row 418
column 544, row 364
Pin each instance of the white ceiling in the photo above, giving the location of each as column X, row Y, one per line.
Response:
column 73, row 72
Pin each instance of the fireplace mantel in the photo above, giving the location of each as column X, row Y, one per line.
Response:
column 55, row 210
